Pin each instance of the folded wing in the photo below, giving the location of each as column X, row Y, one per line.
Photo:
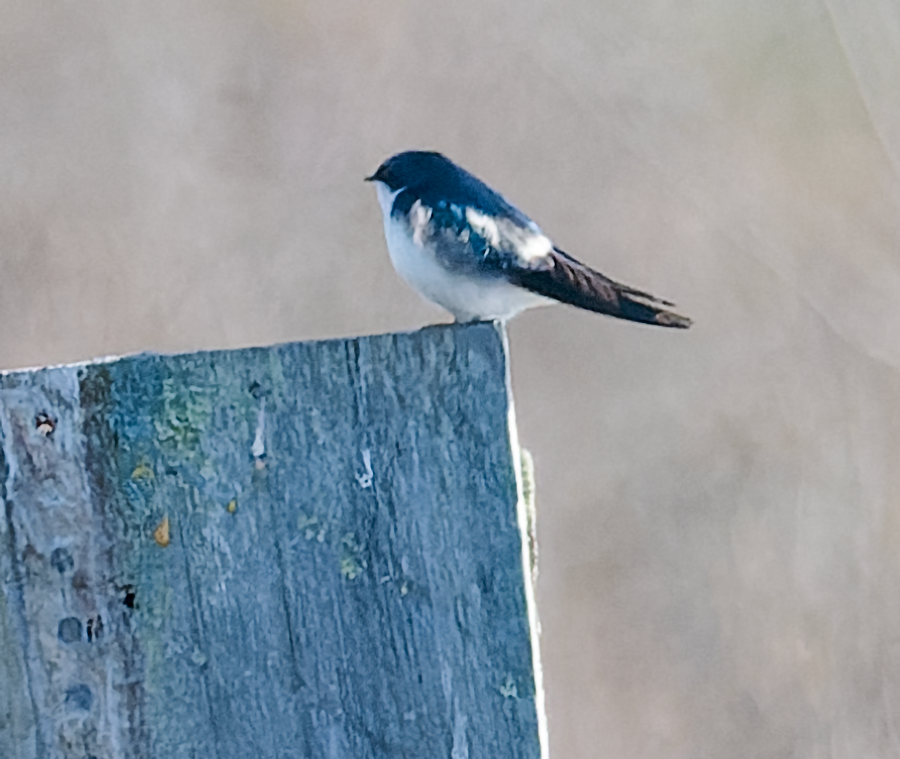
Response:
column 562, row 278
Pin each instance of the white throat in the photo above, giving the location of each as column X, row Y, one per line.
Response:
column 386, row 198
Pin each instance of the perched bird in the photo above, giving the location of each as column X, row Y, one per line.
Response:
column 465, row 247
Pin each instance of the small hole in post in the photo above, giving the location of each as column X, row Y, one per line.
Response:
column 69, row 630
column 45, row 424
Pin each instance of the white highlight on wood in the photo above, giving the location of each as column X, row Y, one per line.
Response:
column 365, row 479
column 460, row 749
column 258, row 449
column 534, row 622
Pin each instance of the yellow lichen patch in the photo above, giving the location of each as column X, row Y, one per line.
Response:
column 349, row 568
column 352, row 563
column 161, row 533
column 232, row 506
column 142, row 472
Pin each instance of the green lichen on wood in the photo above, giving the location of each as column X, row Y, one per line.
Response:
column 365, row 588
column 530, row 502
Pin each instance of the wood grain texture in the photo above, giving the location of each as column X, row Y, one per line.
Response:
column 341, row 574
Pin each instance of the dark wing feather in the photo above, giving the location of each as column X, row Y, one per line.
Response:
column 465, row 248
column 562, row 278
column 448, row 190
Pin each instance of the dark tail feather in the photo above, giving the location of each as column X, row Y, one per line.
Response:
column 564, row 279
column 641, row 295
column 635, row 311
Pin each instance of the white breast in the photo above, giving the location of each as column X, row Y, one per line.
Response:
column 467, row 297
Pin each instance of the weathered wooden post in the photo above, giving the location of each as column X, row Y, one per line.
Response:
column 310, row 550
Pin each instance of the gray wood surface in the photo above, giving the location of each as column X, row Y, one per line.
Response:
column 309, row 550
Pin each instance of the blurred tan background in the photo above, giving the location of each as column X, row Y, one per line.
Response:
column 719, row 519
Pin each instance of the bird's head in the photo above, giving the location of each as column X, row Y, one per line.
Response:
column 414, row 168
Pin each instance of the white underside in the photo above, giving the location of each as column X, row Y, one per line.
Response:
column 467, row 298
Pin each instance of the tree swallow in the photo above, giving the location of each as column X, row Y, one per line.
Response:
column 465, row 247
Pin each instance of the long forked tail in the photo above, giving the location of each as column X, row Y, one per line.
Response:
column 563, row 278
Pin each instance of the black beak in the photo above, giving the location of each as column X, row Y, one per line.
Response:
column 369, row 179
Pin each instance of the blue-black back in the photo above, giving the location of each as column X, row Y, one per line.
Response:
column 437, row 182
